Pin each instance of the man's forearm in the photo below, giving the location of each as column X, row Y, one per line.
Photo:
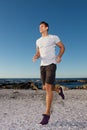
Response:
column 37, row 55
column 62, row 49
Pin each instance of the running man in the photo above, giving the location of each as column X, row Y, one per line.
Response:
column 46, row 52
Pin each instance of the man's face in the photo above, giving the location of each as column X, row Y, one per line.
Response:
column 43, row 28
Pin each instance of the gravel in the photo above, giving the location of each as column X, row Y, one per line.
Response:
column 22, row 110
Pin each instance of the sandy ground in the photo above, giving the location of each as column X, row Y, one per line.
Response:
column 22, row 110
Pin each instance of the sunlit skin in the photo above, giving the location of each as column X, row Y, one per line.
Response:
column 43, row 30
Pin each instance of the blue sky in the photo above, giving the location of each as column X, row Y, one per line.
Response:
column 19, row 29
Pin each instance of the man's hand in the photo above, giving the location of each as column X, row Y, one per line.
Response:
column 58, row 59
column 35, row 58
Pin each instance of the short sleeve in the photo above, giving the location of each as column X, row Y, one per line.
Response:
column 57, row 39
column 36, row 43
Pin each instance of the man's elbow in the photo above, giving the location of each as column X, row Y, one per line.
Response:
column 63, row 47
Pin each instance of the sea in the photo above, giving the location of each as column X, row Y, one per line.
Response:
column 72, row 82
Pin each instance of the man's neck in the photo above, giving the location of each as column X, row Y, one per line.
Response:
column 45, row 34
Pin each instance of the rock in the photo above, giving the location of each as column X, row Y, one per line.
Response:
column 82, row 87
column 33, row 86
column 85, row 86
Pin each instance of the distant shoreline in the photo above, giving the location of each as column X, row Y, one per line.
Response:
column 56, row 78
column 70, row 83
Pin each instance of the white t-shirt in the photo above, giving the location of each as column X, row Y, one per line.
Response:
column 46, row 47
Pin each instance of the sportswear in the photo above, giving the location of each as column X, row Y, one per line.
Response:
column 46, row 47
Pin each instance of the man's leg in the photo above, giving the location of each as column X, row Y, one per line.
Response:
column 56, row 89
column 59, row 91
column 48, row 77
column 49, row 98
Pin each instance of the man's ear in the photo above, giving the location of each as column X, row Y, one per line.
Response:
column 47, row 28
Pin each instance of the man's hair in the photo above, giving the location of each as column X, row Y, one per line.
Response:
column 45, row 23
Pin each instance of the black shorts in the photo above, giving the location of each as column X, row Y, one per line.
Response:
column 48, row 73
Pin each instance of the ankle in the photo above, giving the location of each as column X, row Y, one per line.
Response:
column 47, row 113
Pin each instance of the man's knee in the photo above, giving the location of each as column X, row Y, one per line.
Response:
column 48, row 87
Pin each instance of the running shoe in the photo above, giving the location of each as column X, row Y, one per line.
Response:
column 61, row 93
column 45, row 119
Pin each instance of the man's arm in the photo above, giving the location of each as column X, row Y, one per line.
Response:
column 62, row 49
column 37, row 55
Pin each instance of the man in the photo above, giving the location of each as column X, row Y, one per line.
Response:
column 46, row 51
